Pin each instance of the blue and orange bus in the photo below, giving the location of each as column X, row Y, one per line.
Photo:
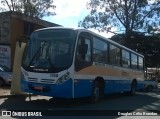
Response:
column 74, row 63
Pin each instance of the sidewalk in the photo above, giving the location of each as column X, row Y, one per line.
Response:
column 5, row 92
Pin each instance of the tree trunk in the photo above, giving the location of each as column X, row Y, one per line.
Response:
column 128, row 38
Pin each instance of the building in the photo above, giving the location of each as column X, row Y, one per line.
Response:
column 13, row 25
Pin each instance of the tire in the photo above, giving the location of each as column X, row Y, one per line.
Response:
column 149, row 88
column 97, row 92
column 1, row 82
column 133, row 88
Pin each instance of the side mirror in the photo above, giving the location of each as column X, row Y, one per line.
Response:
column 23, row 39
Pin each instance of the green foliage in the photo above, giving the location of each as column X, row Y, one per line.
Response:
column 125, row 15
column 34, row 8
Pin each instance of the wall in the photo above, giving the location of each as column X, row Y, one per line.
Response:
column 4, row 28
column 5, row 55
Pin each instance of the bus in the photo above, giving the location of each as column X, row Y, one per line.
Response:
column 73, row 63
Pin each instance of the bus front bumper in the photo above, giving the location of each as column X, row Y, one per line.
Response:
column 53, row 90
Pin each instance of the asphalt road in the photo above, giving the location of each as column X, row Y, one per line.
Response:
column 118, row 105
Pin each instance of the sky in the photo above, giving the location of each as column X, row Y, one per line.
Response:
column 70, row 12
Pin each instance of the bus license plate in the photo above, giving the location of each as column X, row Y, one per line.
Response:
column 38, row 88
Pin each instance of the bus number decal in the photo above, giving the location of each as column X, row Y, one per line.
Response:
column 53, row 75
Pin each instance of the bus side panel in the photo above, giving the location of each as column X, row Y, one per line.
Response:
column 109, row 86
column 116, row 86
column 116, row 79
column 82, row 88
column 140, row 85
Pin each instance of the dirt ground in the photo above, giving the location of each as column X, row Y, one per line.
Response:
column 5, row 90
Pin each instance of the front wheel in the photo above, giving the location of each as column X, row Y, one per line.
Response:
column 97, row 92
column 133, row 88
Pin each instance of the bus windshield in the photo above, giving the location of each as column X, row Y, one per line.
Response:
column 49, row 50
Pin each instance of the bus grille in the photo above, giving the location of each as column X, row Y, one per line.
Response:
column 45, row 81
column 32, row 79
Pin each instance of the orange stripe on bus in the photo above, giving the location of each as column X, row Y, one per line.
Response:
column 109, row 71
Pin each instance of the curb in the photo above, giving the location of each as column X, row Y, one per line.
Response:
column 14, row 95
column 5, row 96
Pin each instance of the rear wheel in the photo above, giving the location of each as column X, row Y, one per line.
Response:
column 97, row 92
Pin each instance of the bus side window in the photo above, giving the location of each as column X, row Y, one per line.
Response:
column 83, row 54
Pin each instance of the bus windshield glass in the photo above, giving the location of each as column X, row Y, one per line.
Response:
column 49, row 50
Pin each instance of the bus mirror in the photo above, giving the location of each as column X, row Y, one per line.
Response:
column 23, row 39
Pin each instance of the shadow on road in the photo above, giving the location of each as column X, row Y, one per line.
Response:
column 111, row 105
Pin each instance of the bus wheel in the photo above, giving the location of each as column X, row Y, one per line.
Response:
column 133, row 88
column 96, row 92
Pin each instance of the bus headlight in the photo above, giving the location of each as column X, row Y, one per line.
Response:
column 63, row 78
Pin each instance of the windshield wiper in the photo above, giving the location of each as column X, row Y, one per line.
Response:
column 35, row 56
column 38, row 53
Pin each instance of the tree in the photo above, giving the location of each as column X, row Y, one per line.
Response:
column 125, row 15
column 34, row 8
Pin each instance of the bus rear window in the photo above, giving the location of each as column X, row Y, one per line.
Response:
column 140, row 63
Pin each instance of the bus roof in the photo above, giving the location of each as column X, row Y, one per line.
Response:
column 91, row 32
column 60, row 27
